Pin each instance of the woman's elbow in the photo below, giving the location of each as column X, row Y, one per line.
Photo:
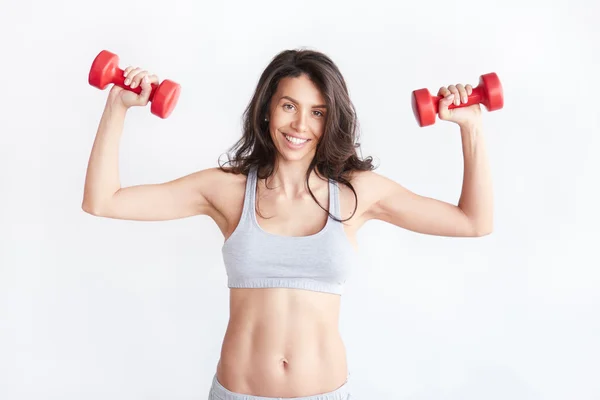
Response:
column 484, row 230
column 90, row 208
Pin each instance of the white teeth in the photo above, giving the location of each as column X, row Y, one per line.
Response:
column 295, row 140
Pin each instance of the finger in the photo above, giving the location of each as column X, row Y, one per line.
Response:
column 153, row 78
column 127, row 74
column 146, row 90
column 469, row 89
column 137, row 78
column 127, row 70
column 443, row 105
column 448, row 99
column 462, row 92
column 454, row 91
column 443, row 92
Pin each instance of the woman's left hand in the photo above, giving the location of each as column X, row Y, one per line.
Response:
column 463, row 116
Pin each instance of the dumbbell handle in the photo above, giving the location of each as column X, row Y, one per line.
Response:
column 477, row 96
column 119, row 80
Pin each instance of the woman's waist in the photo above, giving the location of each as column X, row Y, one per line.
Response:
column 289, row 341
column 282, row 321
column 278, row 363
column 286, row 338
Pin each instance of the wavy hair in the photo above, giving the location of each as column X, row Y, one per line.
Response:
column 335, row 156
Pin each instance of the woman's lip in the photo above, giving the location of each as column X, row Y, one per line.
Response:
column 294, row 146
column 297, row 137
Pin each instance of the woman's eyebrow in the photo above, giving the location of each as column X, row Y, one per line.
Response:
column 297, row 102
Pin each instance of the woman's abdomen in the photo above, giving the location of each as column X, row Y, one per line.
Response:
column 282, row 343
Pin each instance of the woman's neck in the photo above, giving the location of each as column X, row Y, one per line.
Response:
column 289, row 178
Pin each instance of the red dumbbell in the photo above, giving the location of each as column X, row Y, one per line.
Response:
column 105, row 70
column 488, row 92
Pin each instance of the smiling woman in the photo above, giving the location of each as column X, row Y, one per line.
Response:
column 289, row 204
column 298, row 140
column 302, row 104
column 300, row 125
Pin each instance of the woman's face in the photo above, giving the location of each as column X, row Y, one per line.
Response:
column 296, row 118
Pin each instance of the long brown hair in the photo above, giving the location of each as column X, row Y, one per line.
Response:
column 335, row 157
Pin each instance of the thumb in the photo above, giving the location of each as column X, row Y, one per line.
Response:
column 146, row 90
column 443, row 105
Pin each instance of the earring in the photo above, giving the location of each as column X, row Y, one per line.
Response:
column 266, row 120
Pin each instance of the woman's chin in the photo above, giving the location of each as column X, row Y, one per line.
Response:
column 294, row 155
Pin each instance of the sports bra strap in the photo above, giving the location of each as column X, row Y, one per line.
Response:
column 249, row 198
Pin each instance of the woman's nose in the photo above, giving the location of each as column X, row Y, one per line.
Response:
column 300, row 123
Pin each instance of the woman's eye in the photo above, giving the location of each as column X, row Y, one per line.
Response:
column 319, row 113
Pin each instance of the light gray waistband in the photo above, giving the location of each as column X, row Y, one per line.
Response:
column 218, row 392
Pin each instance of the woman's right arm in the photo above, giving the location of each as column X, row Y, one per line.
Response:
column 103, row 195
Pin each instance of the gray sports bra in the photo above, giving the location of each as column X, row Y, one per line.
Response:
column 255, row 258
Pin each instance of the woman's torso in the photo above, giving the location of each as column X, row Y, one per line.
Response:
column 282, row 342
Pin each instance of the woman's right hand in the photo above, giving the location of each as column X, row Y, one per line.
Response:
column 134, row 77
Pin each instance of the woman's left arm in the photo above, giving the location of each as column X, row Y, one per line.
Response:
column 473, row 216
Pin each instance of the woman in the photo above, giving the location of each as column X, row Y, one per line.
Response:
column 289, row 204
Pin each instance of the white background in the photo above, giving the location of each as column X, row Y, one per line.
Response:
column 92, row 308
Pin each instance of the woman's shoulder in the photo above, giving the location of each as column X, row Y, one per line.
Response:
column 226, row 191
column 361, row 197
column 217, row 178
column 225, row 181
column 361, row 181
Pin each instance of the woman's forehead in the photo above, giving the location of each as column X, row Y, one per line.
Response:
column 300, row 90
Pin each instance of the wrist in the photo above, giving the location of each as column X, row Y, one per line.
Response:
column 116, row 107
column 469, row 126
column 470, row 129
